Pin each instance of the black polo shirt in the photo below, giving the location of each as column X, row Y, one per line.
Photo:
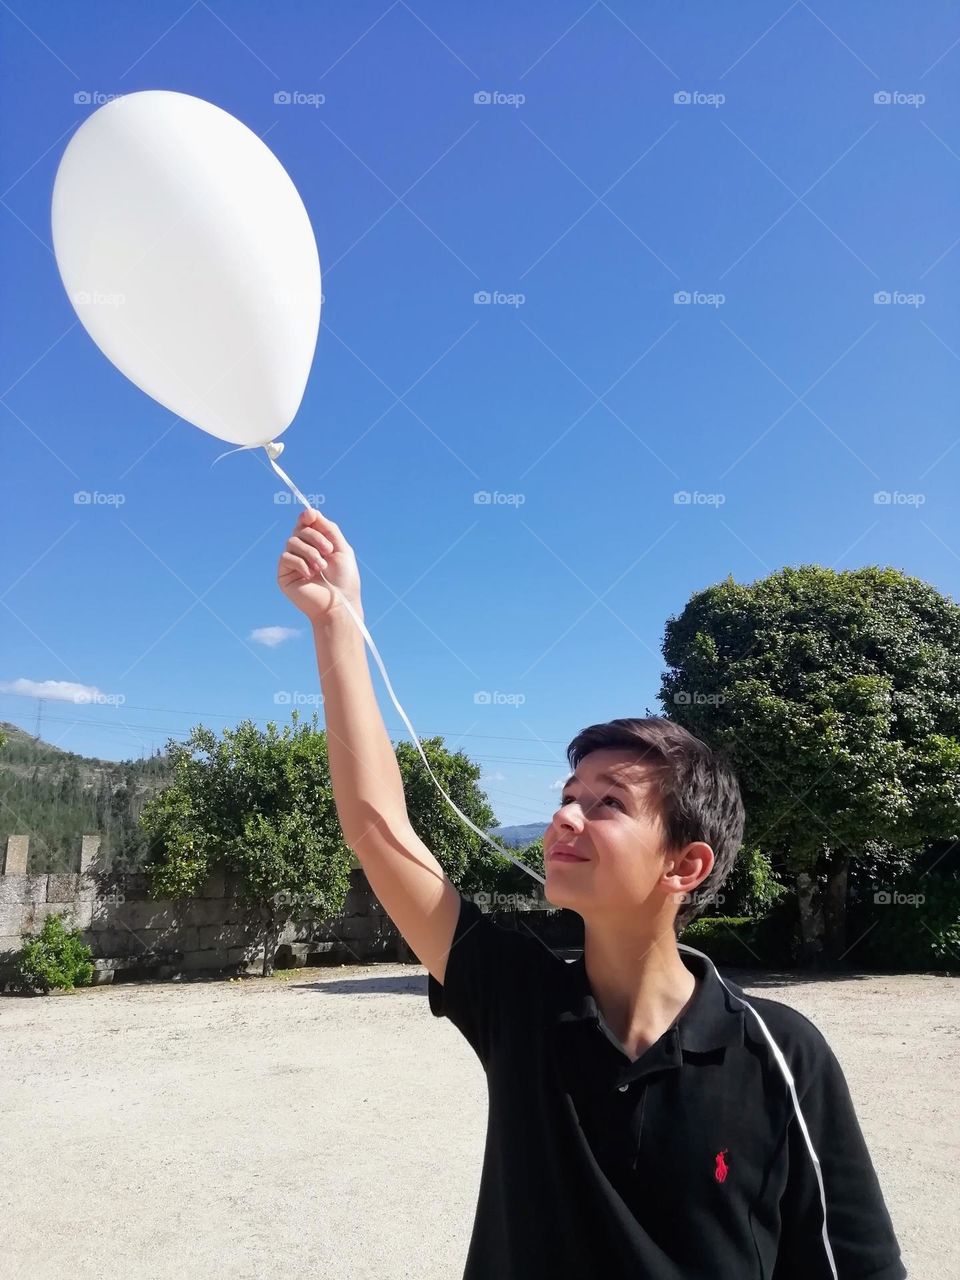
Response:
column 687, row 1164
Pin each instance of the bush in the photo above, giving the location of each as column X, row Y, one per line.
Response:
column 904, row 935
column 746, row 941
column 725, row 939
column 54, row 958
column 751, row 888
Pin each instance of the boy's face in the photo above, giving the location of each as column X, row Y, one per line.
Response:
column 626, row 871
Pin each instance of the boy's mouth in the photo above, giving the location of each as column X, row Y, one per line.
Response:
column 563, row 853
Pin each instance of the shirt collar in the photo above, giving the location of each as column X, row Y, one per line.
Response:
column 713, row 1020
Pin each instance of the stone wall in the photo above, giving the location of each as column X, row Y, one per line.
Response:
column 133, row 936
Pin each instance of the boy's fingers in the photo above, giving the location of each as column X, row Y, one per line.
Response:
column 315, row 519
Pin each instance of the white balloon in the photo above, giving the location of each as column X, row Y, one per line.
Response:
column 188, row 255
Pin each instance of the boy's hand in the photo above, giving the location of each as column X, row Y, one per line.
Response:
column 317, row 544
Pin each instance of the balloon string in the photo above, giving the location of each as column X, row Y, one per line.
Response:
column 273, row 450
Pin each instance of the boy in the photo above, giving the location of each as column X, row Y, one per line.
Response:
column 639, row 1124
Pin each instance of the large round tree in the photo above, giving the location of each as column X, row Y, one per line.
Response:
column 837, row 698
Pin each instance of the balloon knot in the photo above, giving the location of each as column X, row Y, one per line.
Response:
column 273, row 449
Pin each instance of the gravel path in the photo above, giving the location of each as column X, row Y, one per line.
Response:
column 324, row 1123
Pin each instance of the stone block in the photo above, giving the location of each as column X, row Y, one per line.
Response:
column 89, row 852
column 11, row 915
column 83, row 913
column 147, row 914
column 359, row 901
column 101, row 977
column 356, row 928
column 291, row 955
column 212, row 959
column 327, row 953
column 298, row 930
column 250, row 952
column 9, row 944
column 215, row 885
column 236, row 912
column 183, row 939
column 245, row 960
column 87, row 887
column 232, row 882
column 23, row 888
column 113, row 942
column 224, row 936
column 16, row 855
column 204, row 911
column 34, row 914
column 62, row 888
column 379, row 949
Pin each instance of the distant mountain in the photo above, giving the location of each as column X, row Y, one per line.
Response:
column 517, row 837
column 56, row 796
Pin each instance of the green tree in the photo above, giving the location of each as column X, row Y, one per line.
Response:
column 469, row 861
column 258, row 805
column 837, row 698
column 513, row 880
column 751, row 889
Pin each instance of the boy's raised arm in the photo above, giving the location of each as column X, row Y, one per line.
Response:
column 407, row 879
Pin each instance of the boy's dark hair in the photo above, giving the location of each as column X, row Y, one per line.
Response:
column 693, row 790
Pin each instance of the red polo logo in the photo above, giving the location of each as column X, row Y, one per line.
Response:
column 721, row 1170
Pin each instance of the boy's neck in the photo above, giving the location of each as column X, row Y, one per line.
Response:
column 639, row 982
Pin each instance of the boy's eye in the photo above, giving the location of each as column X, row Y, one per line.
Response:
column 566, row 800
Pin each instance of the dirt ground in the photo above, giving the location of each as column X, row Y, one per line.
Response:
column 324, row 1123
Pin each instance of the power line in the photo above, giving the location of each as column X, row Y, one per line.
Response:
column 219, row 715
column 123, row 726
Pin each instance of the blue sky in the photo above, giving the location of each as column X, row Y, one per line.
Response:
column 781, row 197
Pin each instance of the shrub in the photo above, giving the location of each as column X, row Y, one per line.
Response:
column 746, row 941
column 725, row 939
column 903, row 935
column 56, row 957
column 751, row 889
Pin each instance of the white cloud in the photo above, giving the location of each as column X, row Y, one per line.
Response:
column 55, row 690
column 558, row 785
column 493, row 777
column 272, row 636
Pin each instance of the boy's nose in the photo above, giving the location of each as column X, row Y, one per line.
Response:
column 570, row 818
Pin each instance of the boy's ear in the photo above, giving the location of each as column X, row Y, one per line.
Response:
column 693, row 863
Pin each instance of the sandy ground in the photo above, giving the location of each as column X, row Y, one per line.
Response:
column 326, row 1124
